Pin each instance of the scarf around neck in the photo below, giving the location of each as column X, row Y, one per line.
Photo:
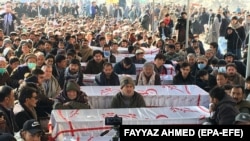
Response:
column 69, row 75
column 142, row 80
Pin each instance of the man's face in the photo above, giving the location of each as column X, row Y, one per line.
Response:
column 233, row 21
column 98, row 58
column 171, row 50
column 15, row 64
column 23, row 37
column 48, row 47
column 31, row 102
column 184, row 16
column 214, row 101
column 74, row 68
column 191, row 60
column 159, row 62
column 52, row 39
column 2, row 64
column 229, row 59
column 221, row 80
column 47, row 72
column 62, row 64
column 231, row 71
column 212, row 48
column 209, row 54
column 72, row 94
column 115, row 47
column 40, row 60
column 1, row 34
column 49, row 61
column 128, row 90
column 201, row 61
column 11, row 99
column 177, row 47
column 32, row 137
column 85, row 43
column 17, row 42
column 32, row 37
column 248, row 85
column 72, row 40
column 8, row 7
column 185, row 71
column 237, row 94
column 123, row 44
column 108, row 37
column 40, row 78
column 31, row 60
column 139, row 56
column 102, row 42
column 108, row 70
column 148, row 71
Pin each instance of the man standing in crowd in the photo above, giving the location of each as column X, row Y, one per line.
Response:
column 235, row 36
column 181, row 27
column 7, row 24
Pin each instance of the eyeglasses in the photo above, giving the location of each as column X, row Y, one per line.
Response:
column 200, row 62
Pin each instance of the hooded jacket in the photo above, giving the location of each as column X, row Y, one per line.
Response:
column 63, row 102
column 225, row 111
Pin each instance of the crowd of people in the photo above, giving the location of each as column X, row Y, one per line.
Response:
column 41, row 57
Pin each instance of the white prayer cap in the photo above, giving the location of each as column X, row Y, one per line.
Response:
column 2, row 59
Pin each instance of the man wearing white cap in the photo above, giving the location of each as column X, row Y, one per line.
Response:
column 4, row 75
column 139, row 57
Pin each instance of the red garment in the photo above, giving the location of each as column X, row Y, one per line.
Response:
column 166, row 21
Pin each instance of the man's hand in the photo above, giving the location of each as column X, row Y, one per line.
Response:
column 66, row 104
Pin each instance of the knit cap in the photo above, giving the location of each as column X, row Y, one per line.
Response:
column 72, row 85
column 126, row 80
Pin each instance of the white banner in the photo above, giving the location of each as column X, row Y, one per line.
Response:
column 170, row 68
column 122, row 50
column 90, row 123
column 165, row 95
column 89, row 79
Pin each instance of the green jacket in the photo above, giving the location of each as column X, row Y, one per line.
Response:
column 136, row 101
column 244, row 106
column 62, row 102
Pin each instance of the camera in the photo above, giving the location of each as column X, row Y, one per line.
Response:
column 116, row 122
column 113, row 120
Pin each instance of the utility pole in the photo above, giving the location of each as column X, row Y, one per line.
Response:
column 248, row 56
column 187, row 24
column 153, row 13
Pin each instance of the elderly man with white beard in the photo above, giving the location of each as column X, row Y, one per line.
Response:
column 148, row 76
